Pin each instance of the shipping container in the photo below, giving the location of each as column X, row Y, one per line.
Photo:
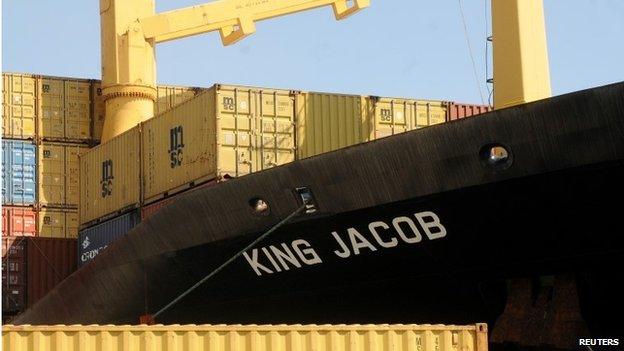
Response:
column 13, row 274
column 393, row 116
column 59, row 177
column 327, row 122
column 172, row 96
column 247, row 337
column 95, row 239
column 19, row 101
column 48, row 262
column 19, row 221
column 456, row 111
column 168, row 97
column 65, row 109
column 110, row 177
column 57, row 223
column 224, row 131
column 98, row 111
column 19, row 171
column 32, row 266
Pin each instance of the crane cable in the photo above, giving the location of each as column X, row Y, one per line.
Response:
column 218, row 269
column 474, row 65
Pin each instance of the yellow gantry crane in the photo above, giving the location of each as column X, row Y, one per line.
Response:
column 131, row 29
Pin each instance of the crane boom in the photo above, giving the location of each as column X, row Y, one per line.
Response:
column 131, row 30
column 235, row 19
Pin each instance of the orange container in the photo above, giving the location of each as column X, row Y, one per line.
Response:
column 455, row 111
column 19, row 221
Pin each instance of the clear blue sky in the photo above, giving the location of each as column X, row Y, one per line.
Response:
column 403, row 48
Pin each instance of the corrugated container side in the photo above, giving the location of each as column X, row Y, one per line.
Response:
column 5, row 221
column 48, row 262
column 110, row 177
column 57, row 223
column 327, row 122
column 95, row 239
column 457, row 111
column 169, row 96
column 19, row 221
column 254, row 130
column 19, row 106
column 19, row 171
column 51, row 171
column 252, row 337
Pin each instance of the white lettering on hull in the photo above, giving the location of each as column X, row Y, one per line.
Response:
column 400, row 230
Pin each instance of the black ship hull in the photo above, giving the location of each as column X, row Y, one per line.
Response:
column 420, row 228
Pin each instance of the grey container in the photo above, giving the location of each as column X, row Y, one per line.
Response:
column 93, row 240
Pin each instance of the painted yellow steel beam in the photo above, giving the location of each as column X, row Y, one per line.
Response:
column 234, row 18
column 131, row 29
column 521, row 72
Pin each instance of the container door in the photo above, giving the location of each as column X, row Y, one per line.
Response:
column 52, row 224
column 52, row 117
column 7, row 196
column 51, row 164
column 72, row 174
column 23, row 173
column 275, row 129
column 23, row 222
column 19, row 106
column 430, row 113
column 236, row 123
column 77, row 111
column 98, row 111
column 392, row 117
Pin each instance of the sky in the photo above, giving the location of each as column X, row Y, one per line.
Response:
column 397, row 48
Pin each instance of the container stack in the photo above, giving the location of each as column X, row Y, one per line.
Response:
column 222, row 132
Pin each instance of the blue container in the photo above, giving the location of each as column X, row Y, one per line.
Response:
column 19, row 172
column 93, row 240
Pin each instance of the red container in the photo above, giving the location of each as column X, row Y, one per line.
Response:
column 48, row 262
column 149, row 210
column 31, row 267
column 13, row 274
column 19, row 221
column 455, row 111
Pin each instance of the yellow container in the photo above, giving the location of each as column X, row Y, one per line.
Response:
column 58, row 174
column 242, row 338
column 109, row 177
column 51, row 112
column 77, row 110
column 226, row 130
column 98, row 114
column 51, row 174
column 19, row 106
column 171, row 96
column 57, row 223
column 168, row 97
column 393, row 116
column 65, row 109
column 72, row 173
column 327, row 122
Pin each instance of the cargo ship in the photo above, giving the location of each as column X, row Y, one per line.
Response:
column 424, row 226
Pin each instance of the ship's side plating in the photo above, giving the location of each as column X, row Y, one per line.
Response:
column 434, row 218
